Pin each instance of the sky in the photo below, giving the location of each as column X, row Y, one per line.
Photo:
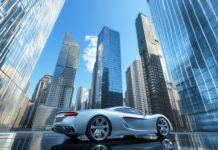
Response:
column 84, row 19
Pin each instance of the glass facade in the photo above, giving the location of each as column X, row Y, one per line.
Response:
column 61, row 91
column 24, row 30
column 188, row 32
column 80, row 98
column 108, row 82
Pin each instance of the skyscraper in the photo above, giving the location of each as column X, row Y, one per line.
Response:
column 80, row 98
column 188, row 32
column 135, row 94
column 92, row 90
column 108, row 79
column 24, row 30
column 62, row 85
column 155, row 85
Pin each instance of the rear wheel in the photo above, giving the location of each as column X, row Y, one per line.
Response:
column 98, row 129
column 163, row 127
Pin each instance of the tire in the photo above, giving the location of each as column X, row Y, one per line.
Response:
column 163, row 127
column 98, row 129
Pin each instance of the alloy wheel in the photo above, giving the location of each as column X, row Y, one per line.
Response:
column 99, row 128
column 163, row 127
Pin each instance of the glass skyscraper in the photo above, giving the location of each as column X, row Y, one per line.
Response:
column 24, row 30
column 188, row 32
column 155, row 85
column 62, row 85
column 80, row 98
column 108, row 79
column 135, row 92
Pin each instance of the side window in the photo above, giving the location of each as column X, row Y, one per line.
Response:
column 120, row 110
column 129, row 111
column 133, row 111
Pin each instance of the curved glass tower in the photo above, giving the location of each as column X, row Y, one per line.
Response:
column 188, row 32
column 24, row 29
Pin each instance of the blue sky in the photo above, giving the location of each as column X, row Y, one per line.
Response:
column 84, row 19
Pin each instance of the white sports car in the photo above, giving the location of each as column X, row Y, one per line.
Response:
column 98, row 124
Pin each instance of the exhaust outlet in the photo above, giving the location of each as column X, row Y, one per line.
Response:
column 67, row 129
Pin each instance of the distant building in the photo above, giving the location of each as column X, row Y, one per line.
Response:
column 39, row 96
column 92, row 100
column 86, row 104
column 80, row 98
column 41, row 91
column 24, row 29
column 89, row 101
column 155, row 85
column 107, row 72
column 62, row 85
column 135, row 93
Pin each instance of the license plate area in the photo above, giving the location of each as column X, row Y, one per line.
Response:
column 59, row 119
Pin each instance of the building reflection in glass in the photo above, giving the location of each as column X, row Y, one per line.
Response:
column 188, row 33
column 24, row 30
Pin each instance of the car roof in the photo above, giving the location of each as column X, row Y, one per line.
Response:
column 113, row 108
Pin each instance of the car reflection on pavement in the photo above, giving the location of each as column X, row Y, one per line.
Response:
column 47, row 140
column 129, row 143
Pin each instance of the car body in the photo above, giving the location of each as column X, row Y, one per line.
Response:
column 113, row 121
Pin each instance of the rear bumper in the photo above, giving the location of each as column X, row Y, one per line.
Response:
column 64, row 130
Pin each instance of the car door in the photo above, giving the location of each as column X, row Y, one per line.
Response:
column 134, row 119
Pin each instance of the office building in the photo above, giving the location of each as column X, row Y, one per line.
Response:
column 24, row 30
column 62, row 85
column 155, row 85
column 108, row 79
column 42, row 88
column 89, row 100
column 136, row 95
column 80, row 98
column 188, row 33
column 39, row 96
column 92, row 89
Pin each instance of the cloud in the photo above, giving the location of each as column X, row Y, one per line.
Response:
column 89, row 55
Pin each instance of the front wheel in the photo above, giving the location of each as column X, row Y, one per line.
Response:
column 98, row 128
column 163, row 127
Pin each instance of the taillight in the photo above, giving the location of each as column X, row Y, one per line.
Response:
column 70, row 114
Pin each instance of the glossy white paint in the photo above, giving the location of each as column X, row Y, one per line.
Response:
column 121, row 123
